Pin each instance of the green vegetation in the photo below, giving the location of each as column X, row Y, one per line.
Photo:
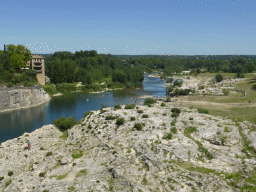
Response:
column 190, row 118
column 174, row 130
column 201, row 87
column 10, row 173
column 49, row 154
column 219, row 77
column 200, row 110
column 149, row 101
column 188, row 131
column 81, row 173
column 175, row 110
column 226, row 130
column 117, row 106
column 162, row 104
column 168, row 99
column 140, row 111
column 181, row 91
column 167, row 136
column 132, row 118
column 8, row 182
column 120, row 121
column 173, row 122
column 175, row 114
column 145, row 116
column 138, row 126
column 50, row 89
column 169, row 80
column 64, row 123
column 1, row 178
column 177, row 83
column 110, row 117
column 131, row 106
column 78, row 154
column 87, row 113
column 42, row 174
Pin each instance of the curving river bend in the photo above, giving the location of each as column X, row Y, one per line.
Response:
column 14, row 123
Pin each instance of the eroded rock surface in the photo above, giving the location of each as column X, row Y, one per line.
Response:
column 202, row 153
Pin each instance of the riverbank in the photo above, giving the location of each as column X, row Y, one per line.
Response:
column 20, row 98
column 99, row 154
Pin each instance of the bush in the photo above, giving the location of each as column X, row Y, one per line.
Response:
column 190, row 118
column 131, row 106
column 173, row 122
column 201, row 110
column 8, row 183
column 201, row 87
column 1, row 178
column 149, row 101
column 51, row 90
column 169, row 89
column 132, row 118
column 177, row 83
column 10, row 84
column 49, row 153
column 138, row 126
column 10, row 173
column 168, row 99
column 175, row 114
column 64, row 123
column 65, row 87
column 169, row 80
column 42, row 174
column 176, row 110
column 219, row 77
column 117, row 106
column 120, row 121
column 225, row 91
column 145, row 116
column 110, row 117
column 167, row 136
column 139, row 111
column 77, row 155
column 30, row 73
column 182, row 91
column 162, row 104
column 174, row 130
column 87, row 113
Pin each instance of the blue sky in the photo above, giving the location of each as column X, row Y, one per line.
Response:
column 182, row 27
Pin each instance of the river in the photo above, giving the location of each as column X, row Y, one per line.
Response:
column 14, row 123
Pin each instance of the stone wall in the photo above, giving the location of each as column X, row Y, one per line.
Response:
column 11, row 99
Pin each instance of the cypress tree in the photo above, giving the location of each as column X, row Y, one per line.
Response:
column 4, row 48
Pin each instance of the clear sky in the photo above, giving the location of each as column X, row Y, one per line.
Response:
column 136, row 27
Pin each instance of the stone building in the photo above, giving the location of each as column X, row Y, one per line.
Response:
column 37, row 63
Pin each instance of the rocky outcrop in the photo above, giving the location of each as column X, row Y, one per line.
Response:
column 203, row 153
column 11, row 99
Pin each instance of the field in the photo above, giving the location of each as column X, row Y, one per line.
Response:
column 235, row 105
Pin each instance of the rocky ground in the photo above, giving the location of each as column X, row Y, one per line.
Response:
column 190, row 152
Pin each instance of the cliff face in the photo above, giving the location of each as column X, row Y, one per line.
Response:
column 11, row 99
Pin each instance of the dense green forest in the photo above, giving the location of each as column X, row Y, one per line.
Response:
column 89, row 67
column 92, row 68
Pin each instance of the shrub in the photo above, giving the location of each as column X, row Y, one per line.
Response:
column 66, row 87
column 117, row 106
column 77, row 155
column 174, row 130
column 173, row 122
column 41, row 148
column 201, row 110
column 225, row 91
column 188, row 131
column 176, row 110
column 49, row 153
column 145, row 116
column 132, row 118
column 64, row 123
column 10, row 173
column 169, row 89
column 177, row 83
column 162, row 104
column 114, row 152
column 110, row 117
column 8, row 183
column 149, row 101
column 42, row 174
column 167, row 136
column 175, row 114
column 139, row 111
column 219, row 77
column 87, row 113
column 120, row 121
column 10, row 84
column 190, row 118
column 1, row 178
column 169, row 80
column 131, row 106
column 168, row 99
column 138, row 126
column 201, row 87
column 226, row 130
column 182, row 91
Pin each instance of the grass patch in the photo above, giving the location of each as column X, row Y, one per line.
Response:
column 167, row 136
column 62, row 176
column 81, row 173
column 173, row 122
column 200, row 110
column 77, row 155
column 174, row 130
column 226, row 130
